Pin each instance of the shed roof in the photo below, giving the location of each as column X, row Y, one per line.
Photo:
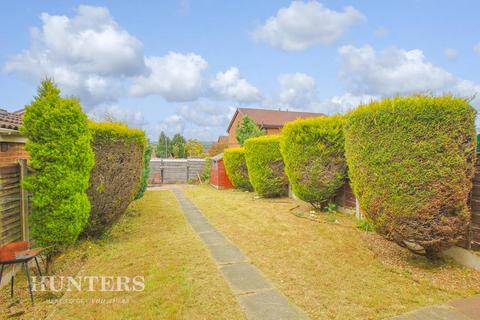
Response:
column 267, row 118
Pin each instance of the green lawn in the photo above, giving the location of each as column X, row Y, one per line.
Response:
column 331, row 270
column 153, row 240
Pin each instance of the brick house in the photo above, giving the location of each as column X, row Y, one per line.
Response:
column 271, row 121
column 12, row 143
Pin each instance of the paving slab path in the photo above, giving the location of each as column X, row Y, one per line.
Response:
column 462, row 309
column 257, row 296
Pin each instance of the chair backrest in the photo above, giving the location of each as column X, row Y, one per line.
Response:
column 9, row 251
column 16, row 246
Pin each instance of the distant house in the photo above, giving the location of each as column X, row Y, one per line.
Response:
column 222, row 139
column 12, row 143
column 271, row 121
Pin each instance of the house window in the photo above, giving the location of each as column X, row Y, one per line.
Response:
column 3, row 146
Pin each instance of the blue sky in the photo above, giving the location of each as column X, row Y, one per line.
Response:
column 184, row 66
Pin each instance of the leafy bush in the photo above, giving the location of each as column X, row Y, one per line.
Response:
column 194, row 148
column 247, row 129
column 206, row 169
column 411, row 161
column 217, row 148
column 61, row 155
column 147, row 154
column 164, row 146
column 178, row 146
column 116, row 175
column 314, row 154
column 265, row 166
column 236, row 166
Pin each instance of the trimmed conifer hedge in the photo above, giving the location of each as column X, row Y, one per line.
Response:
column 117, row 173
column 411, row 160
column 265, row 166
column 236, row 166
column 59, row 145
column 314, row 154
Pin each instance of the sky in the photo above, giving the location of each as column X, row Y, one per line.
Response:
column 184, row 66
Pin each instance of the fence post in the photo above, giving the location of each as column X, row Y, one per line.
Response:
column 23, row 200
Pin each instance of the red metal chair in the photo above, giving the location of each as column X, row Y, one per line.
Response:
column 19, row 253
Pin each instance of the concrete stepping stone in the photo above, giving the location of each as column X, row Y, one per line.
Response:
column 269, row 305
column 227, row 254
column 244, row 278
column 256, row 295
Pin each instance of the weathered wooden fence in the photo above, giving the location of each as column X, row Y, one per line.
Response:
column 175, row 170
column 474, row 232
column 13, row 203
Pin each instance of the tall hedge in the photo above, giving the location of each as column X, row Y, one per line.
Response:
column 411, row 161
column 265, row 166
column 147, row 154
column 62, row 158
column 116, row 175
column 236, row 166
column 314, row 153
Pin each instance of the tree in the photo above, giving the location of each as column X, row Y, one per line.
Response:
column 247, row 129
column 178, row 146
column 145, row 171
column 217, row 148
column 59, row 145
column 164, row 146
column 194, row 148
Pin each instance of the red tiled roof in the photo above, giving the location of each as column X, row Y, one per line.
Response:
column 222, row 139
column 9, row 120
column 266, row 118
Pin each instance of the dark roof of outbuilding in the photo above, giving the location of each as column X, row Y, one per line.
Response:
column 10, row 120
column 267, row 118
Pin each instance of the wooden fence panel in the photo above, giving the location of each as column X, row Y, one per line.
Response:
column 11, row 228
column 174, row 170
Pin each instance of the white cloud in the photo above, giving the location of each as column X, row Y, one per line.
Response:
column 389, row 72
column 175, row 76
column 200, row 121
column 170, row 125
column 86, row 55
column 118, row 113
column 230, row 84
column 304, row 24
column 476, row 48
column 380, row 32
column 450, row 53
column 206, row 114
column 297, row 90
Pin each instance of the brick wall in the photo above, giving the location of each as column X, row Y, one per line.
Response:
column 232, row 133
column 15, row 151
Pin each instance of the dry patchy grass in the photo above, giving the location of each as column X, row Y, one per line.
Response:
column 331, row 270
column 153, row 240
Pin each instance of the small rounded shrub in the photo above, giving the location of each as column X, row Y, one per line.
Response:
column 411, row 160
column 236, row 166
column 314, row 154
column 265, row 166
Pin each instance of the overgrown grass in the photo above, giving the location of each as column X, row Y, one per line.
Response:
column 331, row 270
column 153, row 240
